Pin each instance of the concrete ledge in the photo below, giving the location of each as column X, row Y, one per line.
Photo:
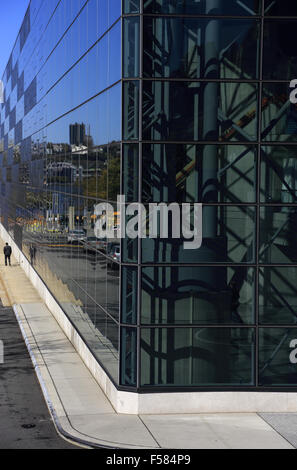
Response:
column 156, row 403
column 79, row 408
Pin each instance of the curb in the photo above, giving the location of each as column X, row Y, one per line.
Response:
column 59, row 428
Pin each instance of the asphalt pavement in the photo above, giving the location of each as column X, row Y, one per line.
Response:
column 25, row 422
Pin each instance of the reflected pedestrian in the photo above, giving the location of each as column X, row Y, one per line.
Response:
column 7, row 253
column 32, row 253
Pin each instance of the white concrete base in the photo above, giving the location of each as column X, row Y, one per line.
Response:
column 154, row 403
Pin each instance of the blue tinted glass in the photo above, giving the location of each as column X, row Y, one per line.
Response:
column 93, row 22
column 114, row 59
column 114, row 10
column 103, row 16
column 115, row 115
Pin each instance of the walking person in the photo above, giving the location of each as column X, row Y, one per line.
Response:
column 32, row 254
column 7, row 253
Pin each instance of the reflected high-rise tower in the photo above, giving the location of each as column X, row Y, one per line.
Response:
column 77, row 134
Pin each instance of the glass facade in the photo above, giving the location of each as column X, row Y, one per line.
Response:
column 183, row 101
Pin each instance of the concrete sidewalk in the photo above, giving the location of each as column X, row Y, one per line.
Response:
column 81, row 411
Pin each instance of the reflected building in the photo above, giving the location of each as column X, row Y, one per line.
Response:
column 162, row 101
column 77, row 134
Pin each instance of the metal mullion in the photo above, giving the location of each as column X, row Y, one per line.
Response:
column 199, row 325
column 205, row 80
column 258, row 218
column 197, row 142
column 120, row 364
column 138, row 326
column 200, row 265
column 205, row 16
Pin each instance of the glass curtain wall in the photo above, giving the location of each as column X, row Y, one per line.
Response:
column 167, row 101
column 207, row 118
column 60, row 157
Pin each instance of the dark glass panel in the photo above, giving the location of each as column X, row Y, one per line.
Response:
column 197, row 295
column 197, row 356
column 279, row 116
column 113, row 289
column 279, row 50
column 20, row 86
column 227, row 236
column 131, row 43
column 280, row 8
column 30, row 96
column 105, row 343
column 131, row 110
column 130, row 171
column 278, row 235
column 131, row 6
column 113, row 171
column 25, row 29
column 189, row 111
column 277, row 359
column 129, row 246
column 279, row 174
column 278, row 295
column 203, row 7
column 130, row 251
column 129, row 295
column 128, row 356
column 173, row 48
column 179, row 173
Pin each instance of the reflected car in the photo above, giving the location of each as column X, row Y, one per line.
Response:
column 94, row 244
column 111, row 246
column 76, row 236
column 114, row 256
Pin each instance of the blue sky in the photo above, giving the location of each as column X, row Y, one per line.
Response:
column 11, row 16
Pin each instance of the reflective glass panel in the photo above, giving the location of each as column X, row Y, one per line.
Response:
column 131, row 110
column 279, row 115
column 201, row 295
column 197, row 356
column 280, row 8
column 129, row 294
column 227, row 236
column 277, row 356
column 203, row 7
column 279, row 50
column 130, row 172
column 278, row 295
column 278, row 235
column 189, row 111
column 228, row 50
column 131, row 45
column 192, row 173
column 279, row 174
column 131, row 6
column 128, row 356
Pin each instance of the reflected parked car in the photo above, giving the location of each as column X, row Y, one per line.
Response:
column 94, row 244
column 114, row 255
column 76, row 236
